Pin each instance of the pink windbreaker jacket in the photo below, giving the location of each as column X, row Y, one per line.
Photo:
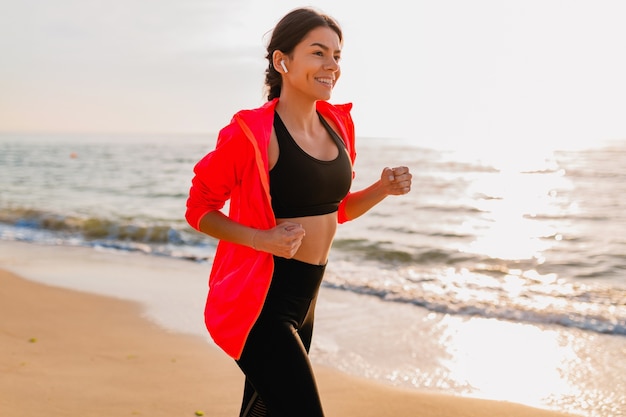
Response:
column 237, row 170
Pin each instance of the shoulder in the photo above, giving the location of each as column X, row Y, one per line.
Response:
column 256, row 122
column 259, row 116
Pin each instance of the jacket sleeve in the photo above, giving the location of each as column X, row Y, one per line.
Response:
column 215, row 176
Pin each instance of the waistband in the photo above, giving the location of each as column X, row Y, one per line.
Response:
column 296, row 278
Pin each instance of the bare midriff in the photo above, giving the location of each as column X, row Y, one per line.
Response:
column 320, row 232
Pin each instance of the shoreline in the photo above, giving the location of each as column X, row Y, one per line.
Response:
column 97, row 355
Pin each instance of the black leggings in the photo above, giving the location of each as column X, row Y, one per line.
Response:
column 279, row 377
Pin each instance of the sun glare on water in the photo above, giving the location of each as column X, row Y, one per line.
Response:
column 521, row 204
column 524, row 352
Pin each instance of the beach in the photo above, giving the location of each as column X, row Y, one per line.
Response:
column 66, row 352
column 495, row 287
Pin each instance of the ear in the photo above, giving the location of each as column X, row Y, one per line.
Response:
column 278, row 59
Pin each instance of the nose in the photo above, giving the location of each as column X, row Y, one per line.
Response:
column 332, row 64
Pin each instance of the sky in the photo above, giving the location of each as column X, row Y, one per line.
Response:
column 488, row 73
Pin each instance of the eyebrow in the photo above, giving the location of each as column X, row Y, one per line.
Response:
column 324, row 47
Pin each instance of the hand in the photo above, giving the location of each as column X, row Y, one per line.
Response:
column 396, row 181
column 284, row 240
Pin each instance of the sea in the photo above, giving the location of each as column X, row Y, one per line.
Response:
column 498, row 276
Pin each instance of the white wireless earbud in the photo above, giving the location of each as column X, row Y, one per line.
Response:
column 282, row 64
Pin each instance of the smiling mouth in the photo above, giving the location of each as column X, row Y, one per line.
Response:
column 326, row 81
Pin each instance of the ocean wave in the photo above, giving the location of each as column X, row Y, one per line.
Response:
column 387, row 253
column 451, row 209
column 591, row 308
column 101, row 229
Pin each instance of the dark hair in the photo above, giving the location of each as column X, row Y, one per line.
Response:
column 289, row 31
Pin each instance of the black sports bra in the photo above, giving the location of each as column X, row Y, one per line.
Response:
column 301, row 185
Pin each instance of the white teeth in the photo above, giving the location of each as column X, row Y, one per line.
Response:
column 328, row 81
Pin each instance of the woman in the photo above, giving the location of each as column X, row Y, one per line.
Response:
column 286, row 168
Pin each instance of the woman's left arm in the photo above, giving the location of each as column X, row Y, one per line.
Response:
column 393, row 181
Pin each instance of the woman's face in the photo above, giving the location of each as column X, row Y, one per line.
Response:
column 314, row 64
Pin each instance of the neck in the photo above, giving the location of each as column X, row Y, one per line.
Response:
column 298, row 113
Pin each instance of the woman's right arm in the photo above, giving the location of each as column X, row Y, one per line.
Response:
column 215, row 177
column 282, row 240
